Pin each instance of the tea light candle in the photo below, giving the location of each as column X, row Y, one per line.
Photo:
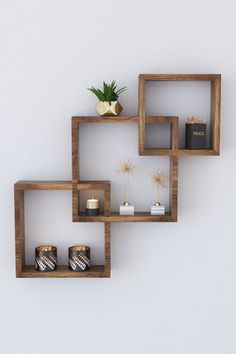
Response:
column 45, row 258
column 79, row 258
column 92, row 207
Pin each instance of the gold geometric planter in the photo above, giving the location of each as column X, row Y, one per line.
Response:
column 112, row 108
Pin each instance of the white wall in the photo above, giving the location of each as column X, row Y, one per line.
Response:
column 173, row 286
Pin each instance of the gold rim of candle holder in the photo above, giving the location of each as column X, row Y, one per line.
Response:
column 79, row 248
column 46, row 248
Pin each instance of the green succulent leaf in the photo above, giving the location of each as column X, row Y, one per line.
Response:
column 109, row 93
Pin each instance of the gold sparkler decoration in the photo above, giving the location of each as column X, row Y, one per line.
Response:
column 160, row 181
column 193, row 120
column 127, row 168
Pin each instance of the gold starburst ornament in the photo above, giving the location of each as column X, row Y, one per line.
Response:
column 159, row 179
column 127, row 168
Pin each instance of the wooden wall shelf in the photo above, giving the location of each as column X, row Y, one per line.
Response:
column 174, row 151
column 215, row 80
column 25, row 271
column 178, row 152
column 77, row 216
column 76, row 185
column 116, row 217
column 108, row 216
column 63, row 272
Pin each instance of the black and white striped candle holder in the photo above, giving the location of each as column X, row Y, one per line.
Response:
column 45, row 258
column 79, row 258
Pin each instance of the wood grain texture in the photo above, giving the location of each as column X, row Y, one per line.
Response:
column 116, row 217
column 107, row 200
column 75, row 167
column 95, row 185
column 62, row 271
column 19, row 230
column 43, row 185
column 174, row 187
column 174, row 134
column 215, row 114
column 98, row 119
column 179, row 77
column 107, row 248
column 75, row 150
column 75, row 204
column 141, row 111
column 61, row 185
column 179, row 152
column 128, row 120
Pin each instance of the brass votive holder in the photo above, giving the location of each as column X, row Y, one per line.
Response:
column 45, row 258
column 79, row 258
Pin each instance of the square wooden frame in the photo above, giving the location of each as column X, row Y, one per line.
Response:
column 114, row 216
column 215, row 80
column 24, row 271
column 90, row 185
column 174, row 135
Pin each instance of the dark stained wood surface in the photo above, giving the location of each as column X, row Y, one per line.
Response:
column 116, row 217
column 19, row 230
column 97, row 271
column 174, row 187
column 43, row 185
column 179, row 77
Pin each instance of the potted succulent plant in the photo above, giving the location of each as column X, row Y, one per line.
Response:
column 109, row 104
